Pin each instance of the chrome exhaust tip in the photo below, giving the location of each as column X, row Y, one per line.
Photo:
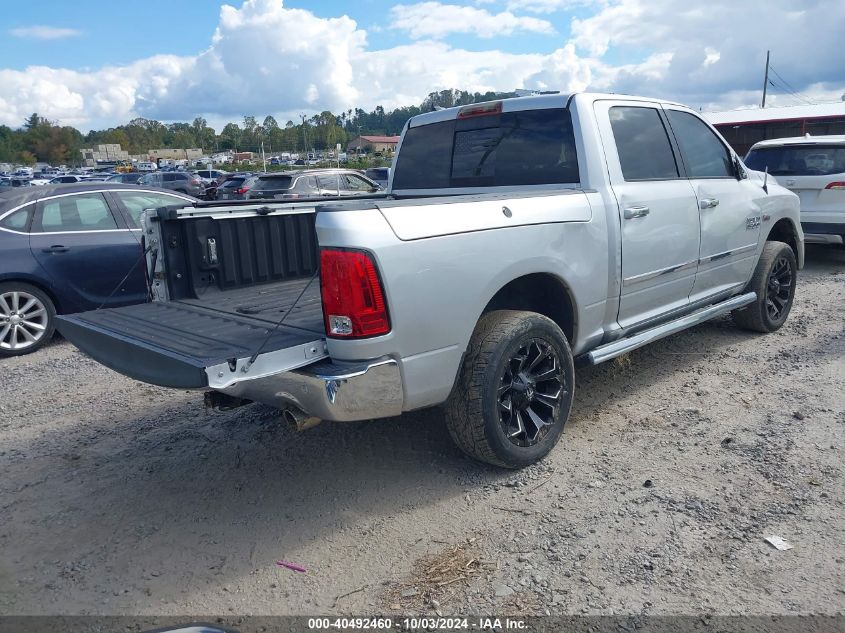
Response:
column 299, row 419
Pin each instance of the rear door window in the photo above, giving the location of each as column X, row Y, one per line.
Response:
column 306, row 186
column 135, row 203
column 642, row 143
column 327, row 183
column 529, row 147
column 705, row 156
column 87, row 212
column 351, row 182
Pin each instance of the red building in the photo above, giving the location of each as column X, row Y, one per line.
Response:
column 743, row 128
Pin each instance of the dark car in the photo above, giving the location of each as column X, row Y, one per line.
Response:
column 13, row 183
column 234, row 187
column 179, row 181
column 132, row 178
column 69, row 248
column 310, row 183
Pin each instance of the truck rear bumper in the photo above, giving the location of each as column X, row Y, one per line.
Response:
column 330, row 391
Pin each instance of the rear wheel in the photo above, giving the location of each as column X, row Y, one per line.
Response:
column 774, row 282
column 27, row 318
column 514, row 393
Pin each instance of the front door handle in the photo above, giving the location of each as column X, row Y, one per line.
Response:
column 636, row 212
column 56, row 248
column 708, row 203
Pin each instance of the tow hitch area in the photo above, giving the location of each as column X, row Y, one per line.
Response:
column 223, row 402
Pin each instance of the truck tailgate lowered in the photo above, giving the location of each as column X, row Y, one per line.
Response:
column 185, row 344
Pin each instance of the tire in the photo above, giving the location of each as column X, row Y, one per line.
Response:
column 494, row 378
column 24, row 333
column 774, row 282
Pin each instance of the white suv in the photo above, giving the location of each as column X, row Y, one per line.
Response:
column 814, row 168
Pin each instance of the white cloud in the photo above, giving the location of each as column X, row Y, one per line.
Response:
column 719, row 48
column 548, row 6
column 41, row 32
column 437, row 20
column 265, row 58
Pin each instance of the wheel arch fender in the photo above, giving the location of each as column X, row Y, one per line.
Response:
column 542, row 292
column 36, row 283
column 785, row 230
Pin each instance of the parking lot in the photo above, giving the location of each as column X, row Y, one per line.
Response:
column 677, row 462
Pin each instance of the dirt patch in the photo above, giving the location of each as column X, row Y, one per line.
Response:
column 121, row 498
column 434, row 579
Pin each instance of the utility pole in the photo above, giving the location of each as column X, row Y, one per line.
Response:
column 765, row 80
column 263, row 158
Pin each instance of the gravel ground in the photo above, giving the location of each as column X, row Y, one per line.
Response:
column 121, row 498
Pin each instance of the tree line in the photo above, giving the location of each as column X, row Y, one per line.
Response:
column 40, row 140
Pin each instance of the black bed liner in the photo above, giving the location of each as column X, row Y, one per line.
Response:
column 172, row 343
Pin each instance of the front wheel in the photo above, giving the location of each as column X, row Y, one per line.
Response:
column 514, row 393
column 774, row 282
column 27, row 318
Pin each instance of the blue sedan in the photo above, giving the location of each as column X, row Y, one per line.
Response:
column 70, row 248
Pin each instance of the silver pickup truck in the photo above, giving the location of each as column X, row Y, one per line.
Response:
column 518, row 238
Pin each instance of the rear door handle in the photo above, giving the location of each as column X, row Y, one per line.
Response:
column 636, row 212
column 56, row 248
column 708, row 203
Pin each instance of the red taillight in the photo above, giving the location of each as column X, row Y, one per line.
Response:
column 353, row 301
column 243, row 189
column 196, row 181
column 483, row 109
column 836, row 185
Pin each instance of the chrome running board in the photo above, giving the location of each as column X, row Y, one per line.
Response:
column 622, row 346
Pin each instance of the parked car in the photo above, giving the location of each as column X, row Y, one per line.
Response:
column 131, row 178
column 66, row 179
column 814, row 168
column 234, row 187
column 212, row 175
column 518, row 237
column 69, row 248
column 310, row 183
column 379, row 175
column 180, row 181
column 14, row 183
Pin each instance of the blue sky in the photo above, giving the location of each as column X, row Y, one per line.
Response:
column 114, row 32
column 97, row 63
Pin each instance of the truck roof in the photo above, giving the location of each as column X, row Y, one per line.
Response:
column 532, row 102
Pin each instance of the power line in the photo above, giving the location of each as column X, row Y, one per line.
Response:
column 790, row 87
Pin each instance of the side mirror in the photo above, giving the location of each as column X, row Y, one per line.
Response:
column 739, row 171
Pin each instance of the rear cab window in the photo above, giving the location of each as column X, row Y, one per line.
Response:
column 525, row 147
